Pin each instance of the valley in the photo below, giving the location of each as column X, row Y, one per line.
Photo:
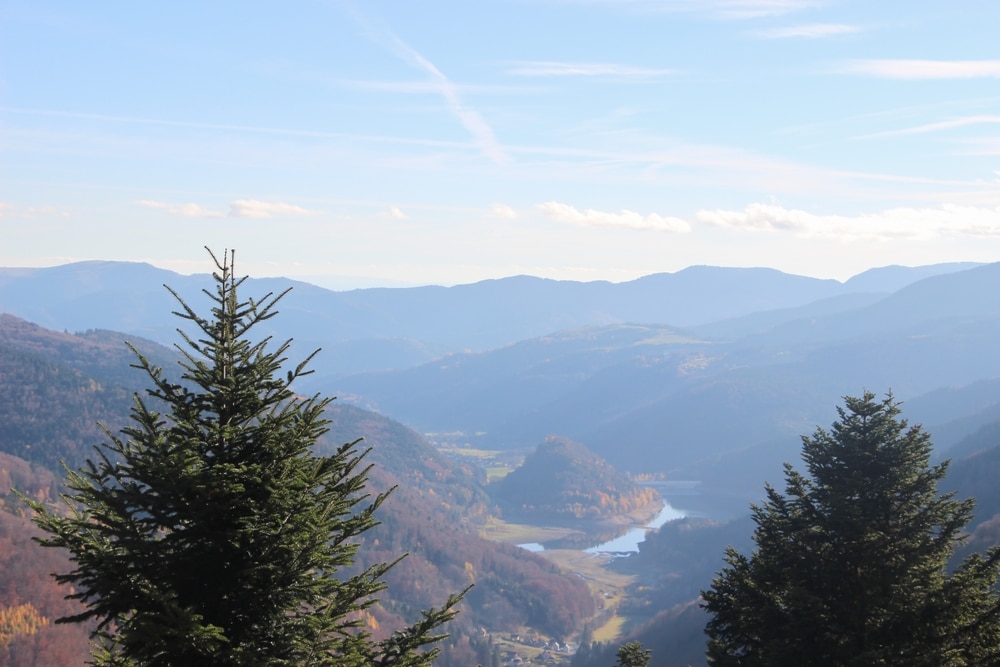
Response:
column 560, row 441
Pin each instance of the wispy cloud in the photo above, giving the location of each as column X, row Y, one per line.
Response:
column 244, row 129
column 811, row 31
column 471, row 120
column 30, row 212
column 725, row 9
column 241, row 208
column 251, row 208
column 395, row 213
column 188, row 210
column 503, row 211
column 748, row 9
column 921, row 224
column 434, row 87
column 923, row 69
column 552, row 68
column 940, row 126
column 623, row 219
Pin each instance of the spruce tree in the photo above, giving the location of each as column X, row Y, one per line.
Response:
column 210, row 533
column 632, row 654
column 851, row 565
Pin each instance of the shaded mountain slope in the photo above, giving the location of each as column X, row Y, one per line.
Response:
column 725, row 412
column 404, row 326
column 49, row 412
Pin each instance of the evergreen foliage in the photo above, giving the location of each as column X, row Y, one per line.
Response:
column 211, row 533
column 632, row 654
column 851, row 563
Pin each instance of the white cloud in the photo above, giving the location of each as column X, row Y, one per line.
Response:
column 921, row 224
column 241, row 208
column 30, row 212
column 812, row 31
column 923, row 69
column 624, row 219
column 502, row 211
column 251, row 208
column 757, row 217
column 395, row 213
column 189, row 210
column 551, row 68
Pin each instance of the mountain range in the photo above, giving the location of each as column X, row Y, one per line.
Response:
column 708, row 374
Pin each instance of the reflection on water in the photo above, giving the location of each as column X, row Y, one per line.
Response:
column 621, row 541
column 585, row 539
column 629, row 542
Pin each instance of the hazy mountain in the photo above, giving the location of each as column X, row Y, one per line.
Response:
column 727, row 411
column 369, row 329
column 781, row 350
column 892, row 278
column 707, row 374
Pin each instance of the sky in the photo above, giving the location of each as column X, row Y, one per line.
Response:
column 405, row 142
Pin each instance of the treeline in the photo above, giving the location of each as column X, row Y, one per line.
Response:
column 865, row 558
column 56, row 388
column 513, row 588
column 49, row 412
column 51, row 399
column 434, row 515
column 97, row 353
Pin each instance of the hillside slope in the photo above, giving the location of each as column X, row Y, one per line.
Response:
column 49, row 401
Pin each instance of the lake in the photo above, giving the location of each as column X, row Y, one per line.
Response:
column 630, row 540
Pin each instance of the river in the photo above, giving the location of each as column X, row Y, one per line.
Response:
column 628, row 542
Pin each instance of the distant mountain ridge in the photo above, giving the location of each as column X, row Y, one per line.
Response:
column 723, row 399
column 724, row 403
column 380, row 328
column 719, row 401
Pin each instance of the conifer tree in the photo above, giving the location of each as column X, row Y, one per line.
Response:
column 209, row 533
column 851, row 565
column 632, row 654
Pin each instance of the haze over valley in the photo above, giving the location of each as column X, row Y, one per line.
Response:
column 697, row 384
column 585, row 276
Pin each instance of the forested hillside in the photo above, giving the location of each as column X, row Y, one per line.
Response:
column 724, row 404
column 563, row 482
column 30, row 600
column 434, row 515
column 56, row 387
column 720, row 406
column 680, row 559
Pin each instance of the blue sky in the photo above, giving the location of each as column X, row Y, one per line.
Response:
column 437, row 141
